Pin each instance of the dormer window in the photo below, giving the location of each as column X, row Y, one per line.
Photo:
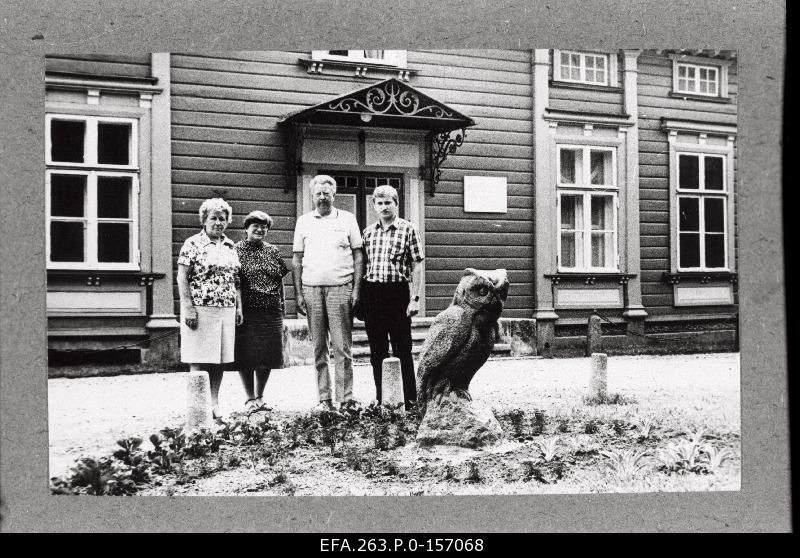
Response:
column 589, row 68
column 699, row 77
column 384, row 57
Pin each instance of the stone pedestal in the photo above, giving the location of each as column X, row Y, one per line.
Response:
column 198, row 401
column 392, row 383
column 594, row 335
column 520, row 334
column 599, row 378
column 458, row 422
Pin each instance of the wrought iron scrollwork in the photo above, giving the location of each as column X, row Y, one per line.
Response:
column 294, row 160
column 390, row 99
column 443, row 145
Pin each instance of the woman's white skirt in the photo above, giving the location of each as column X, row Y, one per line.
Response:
column 213, row 340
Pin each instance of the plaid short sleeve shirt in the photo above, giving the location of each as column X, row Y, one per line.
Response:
column 390, row 251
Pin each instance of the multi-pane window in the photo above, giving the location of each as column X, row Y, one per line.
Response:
column 359, row 54
column 587, row 208
column 698, row 80
column 92, row 182
column 583, row 67
column 387, row 57
column 702, row 200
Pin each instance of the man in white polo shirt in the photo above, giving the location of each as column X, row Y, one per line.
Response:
column 327, row 279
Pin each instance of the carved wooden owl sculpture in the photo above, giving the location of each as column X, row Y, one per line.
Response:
column 462, row 337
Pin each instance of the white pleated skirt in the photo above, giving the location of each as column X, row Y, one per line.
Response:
column 214, row 339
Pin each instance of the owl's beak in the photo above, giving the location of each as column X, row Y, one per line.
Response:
column 499, row 278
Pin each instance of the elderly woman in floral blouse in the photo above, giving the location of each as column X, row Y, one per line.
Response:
column 208, row 283
column 259, row 340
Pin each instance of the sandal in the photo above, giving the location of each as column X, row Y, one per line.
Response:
column 250, row 405
column 260, row 403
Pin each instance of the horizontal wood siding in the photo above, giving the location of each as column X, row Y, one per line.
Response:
column 655, row 103
column 494, row 88
column 100, row 64
column 596, row 99
column 225, row 141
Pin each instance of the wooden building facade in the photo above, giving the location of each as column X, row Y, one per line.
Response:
column 601, row 180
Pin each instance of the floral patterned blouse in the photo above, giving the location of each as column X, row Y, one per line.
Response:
column 213, row 270
column 261, row 276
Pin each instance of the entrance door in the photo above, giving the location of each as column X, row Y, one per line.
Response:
column 354, row 191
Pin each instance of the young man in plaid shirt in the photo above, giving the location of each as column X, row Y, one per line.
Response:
column 391, row 288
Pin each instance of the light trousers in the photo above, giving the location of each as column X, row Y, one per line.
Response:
column 330, row 314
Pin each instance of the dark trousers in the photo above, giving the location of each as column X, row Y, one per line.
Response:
column 385, row 319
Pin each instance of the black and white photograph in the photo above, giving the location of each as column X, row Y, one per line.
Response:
column 392, row 272
column 476, row 268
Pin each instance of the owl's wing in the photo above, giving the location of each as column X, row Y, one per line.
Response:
column 447, row 336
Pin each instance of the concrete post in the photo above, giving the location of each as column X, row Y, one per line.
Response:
column 198, row 400
column 594, row 335
column 599, row 379
column 392, row 383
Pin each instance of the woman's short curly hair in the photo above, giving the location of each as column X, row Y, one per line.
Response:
column 214, row 204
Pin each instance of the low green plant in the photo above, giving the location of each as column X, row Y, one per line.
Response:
column 590, row 427
column 608, row 399
column 381, row 438
column 563, row 426
column 97, row 477
column 168, row 449
column 547, row 448
column 131, row 454
column 329, row 422
column 201, row 443
column 530, row 471
column 538, row 422
column 681, row 457
column 646, row 425
column 352, row 456
column 392, row 468
column 516, row 419
column 473, row 472
column 618, row 426
column 716, row 457
column 624, row 464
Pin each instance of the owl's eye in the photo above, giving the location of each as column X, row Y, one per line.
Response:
column 484, row 290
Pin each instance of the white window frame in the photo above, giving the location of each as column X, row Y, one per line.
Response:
column 697, row 64
column 610, row 62
column 587, row 191
column 92, row 169
column 396, row 58
column 701, row 138
column 692, row 84
column 702, row 194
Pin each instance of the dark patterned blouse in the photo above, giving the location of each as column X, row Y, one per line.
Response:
column 261, row 273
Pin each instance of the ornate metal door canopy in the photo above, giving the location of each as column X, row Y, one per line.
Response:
column 388, row 104
column 442, row 144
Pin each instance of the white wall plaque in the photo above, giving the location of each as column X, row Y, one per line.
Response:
column 94, row 302
column 485, row 194
column 703, row 296
column 588, row 298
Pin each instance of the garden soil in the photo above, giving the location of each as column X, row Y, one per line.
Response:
column 88, row 415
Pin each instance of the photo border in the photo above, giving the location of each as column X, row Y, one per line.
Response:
column 756, row 29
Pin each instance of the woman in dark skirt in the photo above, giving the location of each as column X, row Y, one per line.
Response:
column 259, row 340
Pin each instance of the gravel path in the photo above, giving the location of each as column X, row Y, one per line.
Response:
column 87, row 415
